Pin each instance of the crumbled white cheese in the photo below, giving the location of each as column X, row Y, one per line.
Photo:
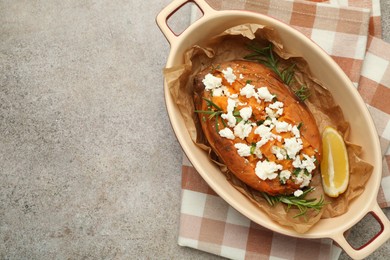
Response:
column 295, row 131
column 279, row 152
column 265, row 134
column 267, row 122
column 264, row 93
column 231, row 120
column 243, row 149
column 242, row 130
column 262, row 142
column 229, row 75
column 211, row 82
column 302, row 179
column 267, row 170
column 297, row 162
column 264, row 130
column 298, row 193
column 229, row 115
column 274, row 110
column 276, row 105
column 225, row 91
column 246, row 113
column 258, row 152
column 231, row 105
column 281, row 126
column 270, row 112
column 227, row 133
column 293, row 146
column 248, row 91
column 241, row 76
column 284, row 176
column 217, row 92
column 308, row 163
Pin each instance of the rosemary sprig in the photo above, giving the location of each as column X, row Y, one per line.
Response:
column 300, row 202
column 266, row 56
column 237, row 115
column 302, row 93
column 213, row 111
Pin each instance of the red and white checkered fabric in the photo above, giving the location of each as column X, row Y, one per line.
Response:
column 349, row 31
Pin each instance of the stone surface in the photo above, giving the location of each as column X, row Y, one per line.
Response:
column 90, row 165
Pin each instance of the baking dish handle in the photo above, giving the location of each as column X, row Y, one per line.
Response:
column 374, row 243
column 174, row 6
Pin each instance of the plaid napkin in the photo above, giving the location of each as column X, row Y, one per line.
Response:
column 349, row 31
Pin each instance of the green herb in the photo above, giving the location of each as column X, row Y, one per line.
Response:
column 253, row 148
column 296, row 171
column 300, row 125
column 213, row 111
column 300, row 202
column 265, row 56
column 237, row 115
column 302, row 93
column 214, row 68
column 260, row 122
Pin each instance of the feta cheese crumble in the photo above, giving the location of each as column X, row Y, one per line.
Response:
column 217, row 92
column 308, row 163
column 227, row 133
column 295, row 131
column 248, row 91
column 229, row 75
column 281, row 126
column 298, row 193
column 246, row 113
column 293, row 146
column 242, row 130
column 258, row 152
column 279, row 152
column 211, row 82
column 267, row 170
column 302, row 179
column 264, row 94
column 264, row 130
column 243, row 149
column 276, row 105
column 274, row 110
column 284, row 176
column 229, row 115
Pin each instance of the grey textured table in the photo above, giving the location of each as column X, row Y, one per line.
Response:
column 90, row 167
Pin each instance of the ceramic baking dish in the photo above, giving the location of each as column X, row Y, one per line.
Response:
column 363, row 130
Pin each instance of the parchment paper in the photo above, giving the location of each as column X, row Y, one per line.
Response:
column 231, row 45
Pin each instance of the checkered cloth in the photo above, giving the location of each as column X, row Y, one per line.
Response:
column 349, row 31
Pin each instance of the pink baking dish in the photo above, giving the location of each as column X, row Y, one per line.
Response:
column 322, row 65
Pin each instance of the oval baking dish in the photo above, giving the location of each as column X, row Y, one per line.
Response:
column 322, row 65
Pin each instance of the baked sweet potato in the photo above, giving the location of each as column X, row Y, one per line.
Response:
column 257, row 127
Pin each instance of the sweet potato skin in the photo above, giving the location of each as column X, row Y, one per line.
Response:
column 295, row 112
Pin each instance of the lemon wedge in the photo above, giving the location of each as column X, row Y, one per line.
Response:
column 334, row 164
